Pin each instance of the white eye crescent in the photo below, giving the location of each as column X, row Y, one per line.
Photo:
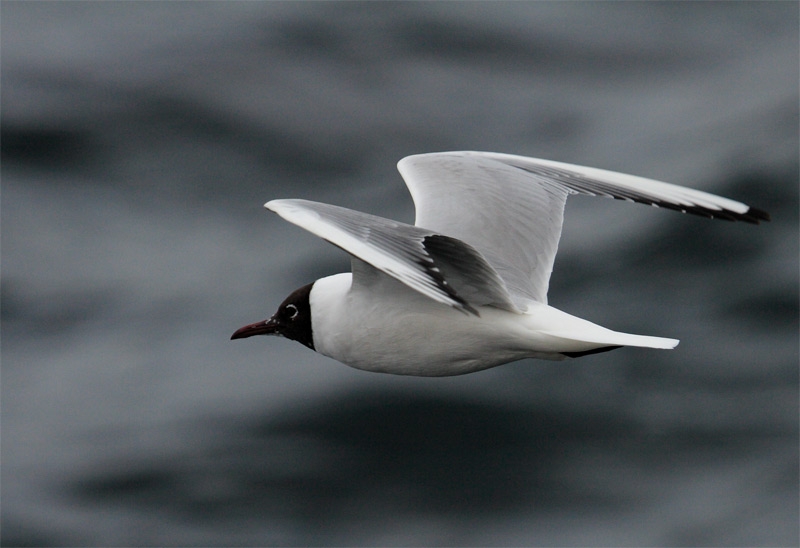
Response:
column 292, row 309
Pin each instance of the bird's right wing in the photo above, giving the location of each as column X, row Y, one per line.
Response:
column 511, row 208
column 437, row 266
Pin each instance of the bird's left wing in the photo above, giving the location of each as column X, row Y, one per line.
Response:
column 442, row 268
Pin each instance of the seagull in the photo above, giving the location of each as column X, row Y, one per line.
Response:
column 465, row 288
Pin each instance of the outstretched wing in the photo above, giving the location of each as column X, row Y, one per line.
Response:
column 438, row 266
column 511, row 208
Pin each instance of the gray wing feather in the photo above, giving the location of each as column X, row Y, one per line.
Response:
column 440, row 267
column 510, row 216
column 511, row 208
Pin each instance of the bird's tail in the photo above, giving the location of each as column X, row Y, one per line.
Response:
column 604, row 340
column 627, row 339
column 569, row 335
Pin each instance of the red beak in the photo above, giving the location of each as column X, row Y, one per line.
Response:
column 265, row 327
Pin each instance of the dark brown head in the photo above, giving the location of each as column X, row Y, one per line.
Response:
column 292, row 320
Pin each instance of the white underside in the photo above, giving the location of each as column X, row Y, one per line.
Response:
column 402, row 332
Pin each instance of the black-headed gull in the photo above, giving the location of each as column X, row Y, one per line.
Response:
column 465, row 288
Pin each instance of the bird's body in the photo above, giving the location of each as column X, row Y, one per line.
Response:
column 465, row 288
column 424, row 338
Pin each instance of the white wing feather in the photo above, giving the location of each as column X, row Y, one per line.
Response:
column 510, row 208
column 487, row 224
column 441, row 268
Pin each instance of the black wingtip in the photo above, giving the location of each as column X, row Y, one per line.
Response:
column 590, row 352
column 758, row 215
column 752, row 215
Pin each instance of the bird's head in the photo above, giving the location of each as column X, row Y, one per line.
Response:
column 292, row 320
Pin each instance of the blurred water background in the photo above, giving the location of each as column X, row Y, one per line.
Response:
column 139, row 142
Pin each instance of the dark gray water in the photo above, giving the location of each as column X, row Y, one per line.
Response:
column 139, row 141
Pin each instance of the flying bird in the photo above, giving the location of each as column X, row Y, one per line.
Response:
column 465, row 287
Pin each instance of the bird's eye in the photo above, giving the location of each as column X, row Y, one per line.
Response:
column 292, row 311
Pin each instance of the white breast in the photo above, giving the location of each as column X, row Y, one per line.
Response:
column 390, row 328
column 402, row 332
